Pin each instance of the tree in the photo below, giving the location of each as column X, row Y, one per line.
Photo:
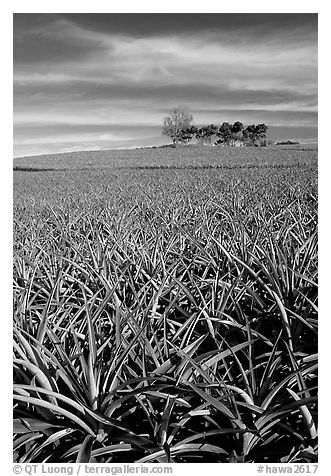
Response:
column 177, row 124
column 236, row 132
column 186, row 135
column 261, row 134
column 249, row 135
column 205, row 134
column 224, row 134
column 255, row 135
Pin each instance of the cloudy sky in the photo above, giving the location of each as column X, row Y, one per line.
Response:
column 102, row 81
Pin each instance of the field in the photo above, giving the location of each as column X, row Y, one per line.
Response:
column 165, row 306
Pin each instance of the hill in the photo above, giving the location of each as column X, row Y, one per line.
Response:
column 181, row 157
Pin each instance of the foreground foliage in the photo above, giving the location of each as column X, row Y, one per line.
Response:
column 166, row 316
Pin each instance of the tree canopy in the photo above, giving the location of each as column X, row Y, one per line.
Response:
column 179, row 128
column 177, row 125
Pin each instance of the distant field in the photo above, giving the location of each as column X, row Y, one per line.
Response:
column 166, row 306
column 100, row 173
column 180, row 157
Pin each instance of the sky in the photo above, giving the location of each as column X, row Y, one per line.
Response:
column 106, row 81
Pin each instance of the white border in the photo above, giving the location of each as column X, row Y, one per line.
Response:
column 171, row 6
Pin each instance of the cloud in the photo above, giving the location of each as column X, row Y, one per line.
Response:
column 50, row 39
column 128, row 69
column 143, row 25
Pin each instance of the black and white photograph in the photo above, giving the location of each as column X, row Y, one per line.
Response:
column 165, row 243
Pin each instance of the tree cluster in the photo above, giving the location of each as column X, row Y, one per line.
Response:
column 178, row 127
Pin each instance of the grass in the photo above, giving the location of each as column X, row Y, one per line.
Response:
column 165, row 310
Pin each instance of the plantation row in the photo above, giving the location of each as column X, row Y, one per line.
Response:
column 166, row 316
